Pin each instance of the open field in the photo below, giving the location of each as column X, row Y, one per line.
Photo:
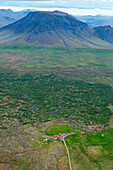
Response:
column 23, row 147
column 32, row 57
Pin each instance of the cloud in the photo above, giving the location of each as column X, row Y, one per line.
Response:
column 71, row 11
column 91, row 7
column 107, row 4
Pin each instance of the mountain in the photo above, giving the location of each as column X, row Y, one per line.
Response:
column 104, row 33
column 98, row 20
column 50, row 28
column 7, row 16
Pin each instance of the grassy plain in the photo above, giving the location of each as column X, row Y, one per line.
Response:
column 51, row 57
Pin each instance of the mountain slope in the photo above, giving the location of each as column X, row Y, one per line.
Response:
column 104, row 33
column 50, row 28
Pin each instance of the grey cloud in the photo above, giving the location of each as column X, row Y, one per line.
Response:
column 103, row 4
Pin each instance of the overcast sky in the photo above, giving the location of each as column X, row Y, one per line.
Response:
column 74, row 7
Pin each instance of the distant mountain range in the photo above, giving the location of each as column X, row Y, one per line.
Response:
column 8, row 16
column 51, row 28
column 95, row 21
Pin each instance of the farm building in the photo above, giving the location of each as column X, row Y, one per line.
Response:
column 54, row 137
column 46, row 137
column 72, row 133
column 61, row 134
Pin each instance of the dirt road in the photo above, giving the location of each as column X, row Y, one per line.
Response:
column 68, row 154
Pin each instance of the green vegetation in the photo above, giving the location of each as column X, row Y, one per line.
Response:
column 51, row 57
column 100, row 147
column 64, row 90
column 88, row 151
column 41, row 96
column 103, row 137
column 61, row 129
column 66, row 129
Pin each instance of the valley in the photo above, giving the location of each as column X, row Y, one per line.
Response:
column 56, row 76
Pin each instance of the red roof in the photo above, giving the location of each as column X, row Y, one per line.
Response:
column 72, row 132
column 61, row 134
column 54, row 137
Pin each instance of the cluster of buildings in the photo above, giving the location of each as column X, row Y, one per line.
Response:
column 62, row 135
